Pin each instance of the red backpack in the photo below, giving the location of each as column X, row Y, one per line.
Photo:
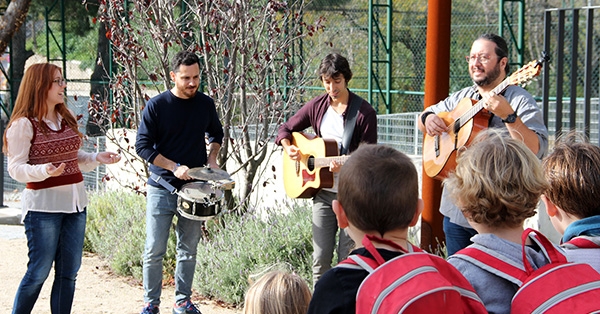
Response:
column 582, row 242
column 558, row 287
column 414, row 282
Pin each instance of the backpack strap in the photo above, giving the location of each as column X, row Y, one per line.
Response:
column 358, row 262
column 369, row 264
column 368, row 240
column 551, row 252
column 493, row 263
column 582, row 242
column 351, row 114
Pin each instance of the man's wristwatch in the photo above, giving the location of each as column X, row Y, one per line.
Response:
column 511, row 118
column 176, row 166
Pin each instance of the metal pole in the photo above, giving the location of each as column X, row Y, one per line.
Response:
column 2, row 163
column 437, row 85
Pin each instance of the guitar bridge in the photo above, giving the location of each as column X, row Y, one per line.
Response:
column 297, row 164
column 437, row 146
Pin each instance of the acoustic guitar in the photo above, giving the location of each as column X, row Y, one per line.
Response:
column 464, row 122
column 305, row 177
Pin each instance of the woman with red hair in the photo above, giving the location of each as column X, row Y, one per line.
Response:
column 42, row 142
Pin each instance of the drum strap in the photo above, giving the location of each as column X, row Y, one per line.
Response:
column 158, row 179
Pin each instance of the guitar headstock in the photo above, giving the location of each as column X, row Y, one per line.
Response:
column 528, row 71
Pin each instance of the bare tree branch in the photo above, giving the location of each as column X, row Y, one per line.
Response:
column 247, row 62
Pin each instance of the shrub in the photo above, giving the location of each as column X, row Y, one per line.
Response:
column 240, row 246
column 116, row 230
column 234, row 247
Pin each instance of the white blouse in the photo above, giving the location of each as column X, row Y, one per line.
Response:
column 69, row 198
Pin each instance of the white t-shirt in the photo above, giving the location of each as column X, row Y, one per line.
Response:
column 332, row 127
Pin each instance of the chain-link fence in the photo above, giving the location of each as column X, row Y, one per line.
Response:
column 347, row 31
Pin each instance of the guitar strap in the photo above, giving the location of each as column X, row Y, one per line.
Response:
column 351, row 114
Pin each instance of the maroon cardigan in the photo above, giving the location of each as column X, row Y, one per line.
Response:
column 311, row 115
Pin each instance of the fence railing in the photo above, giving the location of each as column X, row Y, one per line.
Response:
column 571, row 39
column 397, row 130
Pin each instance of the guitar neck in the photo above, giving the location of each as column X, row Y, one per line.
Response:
column 320, row 162
column 479, row 105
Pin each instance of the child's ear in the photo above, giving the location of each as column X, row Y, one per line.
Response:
column 551, row 209
column 340, row 214
column 415, row 219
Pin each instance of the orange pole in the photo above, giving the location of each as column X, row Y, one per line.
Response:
column 437, row 85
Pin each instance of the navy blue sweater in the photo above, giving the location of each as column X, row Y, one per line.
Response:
column 176, row 129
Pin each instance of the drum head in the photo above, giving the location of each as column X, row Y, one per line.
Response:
column 198, row 200
column 201, row 191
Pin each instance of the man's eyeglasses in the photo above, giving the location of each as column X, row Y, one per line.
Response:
column 481, row 58
column 60, row 82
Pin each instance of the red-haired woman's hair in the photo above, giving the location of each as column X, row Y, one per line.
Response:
column 31, row 100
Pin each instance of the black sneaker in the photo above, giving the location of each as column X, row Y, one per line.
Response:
column 186, row 307
column 150, row 309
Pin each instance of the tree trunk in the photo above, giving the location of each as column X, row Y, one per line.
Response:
column 11, row 21
column 19, row 56
column 97, row 122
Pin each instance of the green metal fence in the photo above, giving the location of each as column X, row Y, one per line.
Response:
column 387, row 53
column 369, row 36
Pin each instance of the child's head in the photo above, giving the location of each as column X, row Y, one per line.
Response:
column 498, row 181
column 379, row 190
column 278, row 292
column 573, row 171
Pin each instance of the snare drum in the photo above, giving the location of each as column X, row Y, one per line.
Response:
column 197, row 200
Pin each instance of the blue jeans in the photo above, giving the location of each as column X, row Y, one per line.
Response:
column 51, row 237
column 161, row 206
column 324, row 229
column 457, row 237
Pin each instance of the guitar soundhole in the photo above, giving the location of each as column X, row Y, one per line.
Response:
column 310, row 163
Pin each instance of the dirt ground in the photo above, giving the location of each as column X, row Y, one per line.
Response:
column 98, row 289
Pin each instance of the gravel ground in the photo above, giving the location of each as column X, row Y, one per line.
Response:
column 98, row 289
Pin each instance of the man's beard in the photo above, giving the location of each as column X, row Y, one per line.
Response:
column 189, row 92
column 490, row 77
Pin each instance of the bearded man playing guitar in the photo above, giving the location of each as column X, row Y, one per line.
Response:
column 512, row 108
column 327, row 115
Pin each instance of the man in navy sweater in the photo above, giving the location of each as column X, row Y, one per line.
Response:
column 172, row 138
